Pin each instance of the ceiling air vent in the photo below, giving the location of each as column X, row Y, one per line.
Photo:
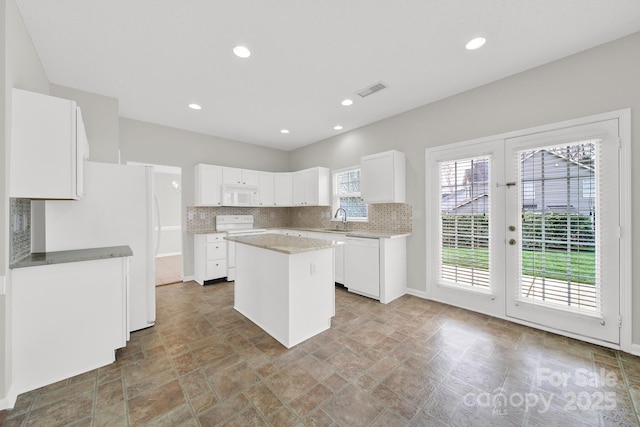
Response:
column 372, row 89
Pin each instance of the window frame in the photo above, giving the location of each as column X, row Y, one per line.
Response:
column 335, row 198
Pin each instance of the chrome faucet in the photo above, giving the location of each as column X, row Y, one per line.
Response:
column 344, row 217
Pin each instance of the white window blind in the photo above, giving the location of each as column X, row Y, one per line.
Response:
column 559, row 231
column 465, row 224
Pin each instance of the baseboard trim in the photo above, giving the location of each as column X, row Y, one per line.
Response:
column 417, row 293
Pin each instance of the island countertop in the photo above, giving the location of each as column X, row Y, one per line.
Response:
column 76, row 255
column 284, row 244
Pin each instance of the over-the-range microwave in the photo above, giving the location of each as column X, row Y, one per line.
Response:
column 240, row 195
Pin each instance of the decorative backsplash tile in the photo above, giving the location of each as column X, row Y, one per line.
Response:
column 388, row 217
column 20, row 229
column 203, row 219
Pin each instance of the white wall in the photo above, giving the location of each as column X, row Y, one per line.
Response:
column 150, row 143
column 601, row 79
column 22, row 69
column 100, row 115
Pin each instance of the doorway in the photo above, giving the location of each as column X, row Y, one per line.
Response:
column 167, row 220
column 527, row 227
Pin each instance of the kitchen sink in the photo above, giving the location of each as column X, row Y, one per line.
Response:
column 336, row 230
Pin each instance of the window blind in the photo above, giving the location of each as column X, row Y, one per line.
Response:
column 559, row 247
column 465, row 225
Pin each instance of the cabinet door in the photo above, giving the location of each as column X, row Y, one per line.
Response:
column 283, row 189
column 231, row 175
column 208, row 180
column 43, row 147
column 310, row 179
column 250, row 177
column 299, row 188
column 382, row 177
column 82, row 152
column 266, row 188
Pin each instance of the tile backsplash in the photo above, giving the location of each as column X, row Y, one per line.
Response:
column 20, row 229
column 387, row 217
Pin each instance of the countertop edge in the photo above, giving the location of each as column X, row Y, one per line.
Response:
column 74, row 255
column 349, row 233
column 255, row 241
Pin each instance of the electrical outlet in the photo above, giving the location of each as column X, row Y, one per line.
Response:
column 202, row 215
column 190, row 216
column 312, row 269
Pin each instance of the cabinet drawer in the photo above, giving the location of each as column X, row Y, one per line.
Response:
column 213, row 238
column 216, row 251
column 216, row 269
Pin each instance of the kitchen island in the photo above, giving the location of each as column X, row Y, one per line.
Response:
column 285, row 285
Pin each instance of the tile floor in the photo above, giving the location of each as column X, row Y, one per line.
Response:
column 412, row 362
column 168, row 270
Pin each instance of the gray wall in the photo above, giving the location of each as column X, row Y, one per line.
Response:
column 601, row 79
column 100, row 115
column 150, row 143
column 22, row 69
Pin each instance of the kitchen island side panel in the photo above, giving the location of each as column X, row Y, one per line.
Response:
column 289, row 296
column 312, row 290
column 261, row 289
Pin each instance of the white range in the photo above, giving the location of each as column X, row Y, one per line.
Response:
column 235, row 225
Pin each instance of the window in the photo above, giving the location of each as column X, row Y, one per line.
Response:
column 464, row 223
column 346, row 193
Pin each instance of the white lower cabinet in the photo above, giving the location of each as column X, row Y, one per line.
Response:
column 66, row 319
column 210, row 256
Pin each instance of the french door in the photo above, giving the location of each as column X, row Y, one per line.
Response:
column 527, row 227
column 562, row 219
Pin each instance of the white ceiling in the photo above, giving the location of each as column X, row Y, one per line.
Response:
column 157, row 56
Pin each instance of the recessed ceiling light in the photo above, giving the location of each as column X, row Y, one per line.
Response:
column 337, row 127
column 284, row 130
column 195, row 107
column 347, row 102
column 242, row 51
column 476, row 43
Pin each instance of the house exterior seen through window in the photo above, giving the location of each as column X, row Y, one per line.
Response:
column 346, row 194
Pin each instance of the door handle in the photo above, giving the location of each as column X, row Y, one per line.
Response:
column 512, row 242
column 512, row 228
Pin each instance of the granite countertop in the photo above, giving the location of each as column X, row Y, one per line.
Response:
column 285, row 244
column 373, row 234
column 76, row 255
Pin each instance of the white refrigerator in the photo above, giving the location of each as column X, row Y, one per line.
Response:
column 117, row 209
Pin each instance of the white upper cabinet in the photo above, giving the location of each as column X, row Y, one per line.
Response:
column 311, row 187
column 208, row 182
column 266, row 189
column 283, row 189
column 382, row 177
column 240, row 176
column 48, row 147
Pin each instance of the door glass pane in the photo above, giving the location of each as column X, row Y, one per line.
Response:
column 558, row 238
column 465, row 223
